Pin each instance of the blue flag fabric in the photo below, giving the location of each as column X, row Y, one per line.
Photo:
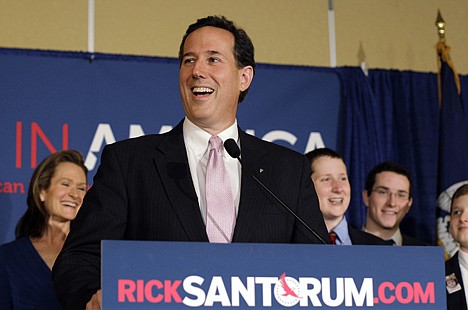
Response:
column 453, row 146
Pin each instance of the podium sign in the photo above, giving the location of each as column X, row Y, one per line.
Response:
column 183, row 275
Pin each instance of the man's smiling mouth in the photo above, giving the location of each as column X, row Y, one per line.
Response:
column 202, row 91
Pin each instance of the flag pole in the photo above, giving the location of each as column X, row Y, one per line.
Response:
column 331, row 34
column 91, row 17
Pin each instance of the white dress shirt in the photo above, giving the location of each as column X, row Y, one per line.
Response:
column 463, row 261
column 196, row 144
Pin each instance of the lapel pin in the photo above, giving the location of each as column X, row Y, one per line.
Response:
column 261, row 170
column 452, row 283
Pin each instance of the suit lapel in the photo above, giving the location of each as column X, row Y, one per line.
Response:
column 172, row 164
column 252, row 199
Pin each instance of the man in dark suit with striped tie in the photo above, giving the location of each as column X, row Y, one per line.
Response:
column 153, row 187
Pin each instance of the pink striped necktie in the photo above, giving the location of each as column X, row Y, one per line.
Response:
column 220, row 211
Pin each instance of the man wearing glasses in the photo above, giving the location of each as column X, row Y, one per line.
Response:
column 387, row 196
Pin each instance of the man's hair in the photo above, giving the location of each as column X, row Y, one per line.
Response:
column 461, row 191
column 312, row 156
column 243, row 47
column 386, row 166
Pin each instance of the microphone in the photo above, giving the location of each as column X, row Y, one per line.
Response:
column 233, row 150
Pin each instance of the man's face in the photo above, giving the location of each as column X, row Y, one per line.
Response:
column 331, row 183
column 389, row 201
column 459, row 221
column 209, row 79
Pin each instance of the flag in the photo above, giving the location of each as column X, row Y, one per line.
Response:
column 453, row 145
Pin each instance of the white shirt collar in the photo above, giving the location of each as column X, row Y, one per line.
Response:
column 397, row 238
column 197, row 138
column 463, row 259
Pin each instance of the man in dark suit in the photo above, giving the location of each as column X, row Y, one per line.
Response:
column 153, row 187
column 330, row 178
column 456, row 296
column 388, row 198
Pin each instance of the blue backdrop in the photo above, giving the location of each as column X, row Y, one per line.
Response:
column 54, row 100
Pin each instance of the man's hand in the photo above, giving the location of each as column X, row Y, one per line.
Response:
column 96, row 301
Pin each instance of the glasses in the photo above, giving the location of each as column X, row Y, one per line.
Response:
column 386, row 194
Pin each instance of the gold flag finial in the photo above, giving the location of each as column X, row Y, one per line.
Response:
column 443, row 54
column 440, row 23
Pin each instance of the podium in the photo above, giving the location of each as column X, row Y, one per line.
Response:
column 184, row 275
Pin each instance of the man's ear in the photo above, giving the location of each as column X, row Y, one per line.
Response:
column 365, row 197
column 246, row 77
column 410, row 203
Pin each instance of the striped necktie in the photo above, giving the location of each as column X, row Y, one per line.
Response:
column 332, row 236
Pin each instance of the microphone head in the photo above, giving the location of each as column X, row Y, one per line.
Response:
column 232, row 148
